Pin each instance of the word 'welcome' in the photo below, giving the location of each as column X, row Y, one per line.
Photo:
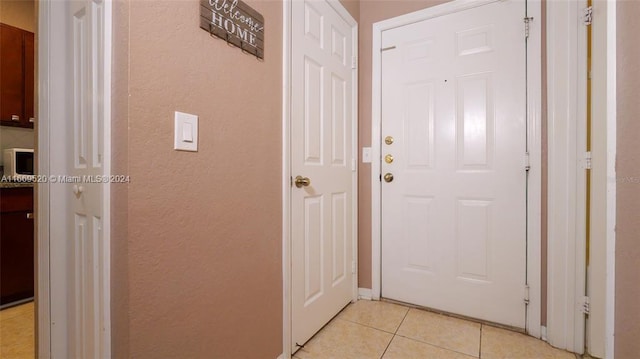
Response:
column 235, row 22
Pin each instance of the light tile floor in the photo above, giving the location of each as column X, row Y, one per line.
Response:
column 17, row 332
column 374, row 329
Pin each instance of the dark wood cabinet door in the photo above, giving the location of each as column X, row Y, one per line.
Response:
column 16, row 244
column 16, row 257
column 11, row 74
column 29, row 78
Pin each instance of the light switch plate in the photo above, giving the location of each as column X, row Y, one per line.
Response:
column 366, row 154
column 185, row 132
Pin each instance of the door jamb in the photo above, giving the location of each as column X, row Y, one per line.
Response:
column 45, row 113
column 567, row 105
column 286, row 163
column 534, row 123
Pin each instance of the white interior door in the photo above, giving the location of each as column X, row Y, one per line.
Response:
column 322, row 150
column 80, row 191
column 454, row 215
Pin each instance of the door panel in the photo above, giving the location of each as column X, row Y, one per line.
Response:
column 80, row 273
column 454, row 215
column 322, row 149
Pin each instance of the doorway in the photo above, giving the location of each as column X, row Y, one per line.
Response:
column 455, row 224
column 320, row 158
column 18, row 98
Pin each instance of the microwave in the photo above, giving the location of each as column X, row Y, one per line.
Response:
column 18, row 163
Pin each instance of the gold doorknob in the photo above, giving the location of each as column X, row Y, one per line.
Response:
column 388, row 158
column 388, row 140
column 302, row 181
column 388, row 177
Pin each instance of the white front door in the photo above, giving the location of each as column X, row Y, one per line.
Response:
column 322, row 151
column 80, row 190
column 454, row 113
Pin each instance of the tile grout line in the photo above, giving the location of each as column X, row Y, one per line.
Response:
column 394, row 334
column 480, row 346
column 366, row 325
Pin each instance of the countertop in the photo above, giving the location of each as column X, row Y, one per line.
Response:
column 15, row 184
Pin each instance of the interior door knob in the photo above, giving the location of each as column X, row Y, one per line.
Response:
column 388, row 177
column 302, row 181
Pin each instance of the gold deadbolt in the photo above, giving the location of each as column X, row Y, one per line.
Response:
column 388, row 177
column 388, row 140
column 302, row 181
column 388, row 158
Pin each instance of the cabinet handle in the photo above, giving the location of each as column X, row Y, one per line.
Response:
column 30, row 215
column 32, row 120
column 15, row 118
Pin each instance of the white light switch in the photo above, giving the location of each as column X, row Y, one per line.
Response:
column 366, row 154
column 185, row 132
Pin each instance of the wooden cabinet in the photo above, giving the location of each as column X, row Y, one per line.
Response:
column 16, row 244
column 17, row 68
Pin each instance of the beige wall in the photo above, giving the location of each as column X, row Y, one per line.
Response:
column 370, row 13
column 19, row 13
column 119, row 193
column 196, row 236
column 627, row 324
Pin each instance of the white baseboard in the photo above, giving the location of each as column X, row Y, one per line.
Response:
column 365, row 293
column 543, row 333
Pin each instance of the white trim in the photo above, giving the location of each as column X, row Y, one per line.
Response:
column 566, row 95
column 611, row 175
column 597, row 264
column 534, row 90
column 43, row 295
column 376, row 137
column 286, row 177
column 286, row 163
column 364, row 294
column 534, row 195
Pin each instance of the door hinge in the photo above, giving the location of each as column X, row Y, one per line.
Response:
column 587, row 16
column 585, row 306
column 527, row 26
column 354, row 62
column 527, row 161
column 353, row 267
column 587, row 160
column 354, row 165
column 526, row 294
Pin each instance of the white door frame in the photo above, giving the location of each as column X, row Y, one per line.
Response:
column 534, row 122
column 286, row 163
column 566, row 209
column 50, row 124
column 567, row 104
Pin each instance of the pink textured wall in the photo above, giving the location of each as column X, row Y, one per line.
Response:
column 627, row 324
column 197, row 261
column 196, row 237
column 119, row 192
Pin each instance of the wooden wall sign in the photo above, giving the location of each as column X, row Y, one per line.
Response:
column 235, row 22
